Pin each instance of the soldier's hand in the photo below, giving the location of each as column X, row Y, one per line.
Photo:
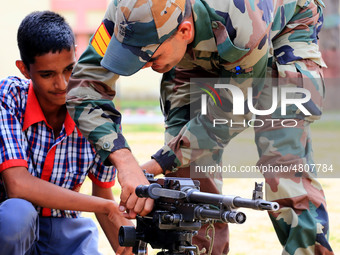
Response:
column 152, row 167
column 130, row 175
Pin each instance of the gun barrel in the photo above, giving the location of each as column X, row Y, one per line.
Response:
column 230, row 201
column 258, row 204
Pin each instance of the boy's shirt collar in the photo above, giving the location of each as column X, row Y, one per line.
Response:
column 34, row 114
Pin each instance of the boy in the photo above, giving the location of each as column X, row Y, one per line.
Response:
column 44, row 159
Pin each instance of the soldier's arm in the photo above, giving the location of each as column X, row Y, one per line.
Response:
column 91, row 90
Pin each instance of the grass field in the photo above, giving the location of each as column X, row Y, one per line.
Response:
column 256, row 236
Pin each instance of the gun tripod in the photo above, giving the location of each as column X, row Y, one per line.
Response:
column 171, row 240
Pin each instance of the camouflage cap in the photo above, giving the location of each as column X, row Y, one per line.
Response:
column 140, row 27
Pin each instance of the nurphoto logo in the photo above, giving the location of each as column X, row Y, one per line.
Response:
column 287, row 96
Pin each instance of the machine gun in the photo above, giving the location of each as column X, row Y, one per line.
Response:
column 179, row 212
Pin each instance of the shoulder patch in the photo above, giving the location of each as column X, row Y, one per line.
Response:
column 101, row 39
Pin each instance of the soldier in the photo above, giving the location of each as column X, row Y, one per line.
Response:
column 233, row 41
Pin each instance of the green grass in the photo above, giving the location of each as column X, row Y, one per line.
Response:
column 135, row 104
column 326, row 125
column 129, row 128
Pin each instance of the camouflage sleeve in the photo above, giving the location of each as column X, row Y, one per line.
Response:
column 295, row 31
column 91, row 90
column 297, row 58
column 241, row 35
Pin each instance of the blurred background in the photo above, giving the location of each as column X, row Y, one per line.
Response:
column 137, row 99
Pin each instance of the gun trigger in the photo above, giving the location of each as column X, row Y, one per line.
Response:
column 168, row 193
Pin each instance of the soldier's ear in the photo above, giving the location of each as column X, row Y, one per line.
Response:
column 23, row 69
column 186, row 30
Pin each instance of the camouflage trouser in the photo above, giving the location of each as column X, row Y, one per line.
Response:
column 301, row 223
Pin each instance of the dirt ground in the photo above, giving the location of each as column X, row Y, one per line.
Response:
column 256, row 236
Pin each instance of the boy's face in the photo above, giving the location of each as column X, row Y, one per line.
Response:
column 50, row 74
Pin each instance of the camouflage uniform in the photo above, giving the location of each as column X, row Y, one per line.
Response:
column 233, row 40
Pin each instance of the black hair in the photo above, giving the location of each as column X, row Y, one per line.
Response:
column 42, row 32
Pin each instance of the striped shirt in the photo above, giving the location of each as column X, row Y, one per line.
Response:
column 27, row 140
